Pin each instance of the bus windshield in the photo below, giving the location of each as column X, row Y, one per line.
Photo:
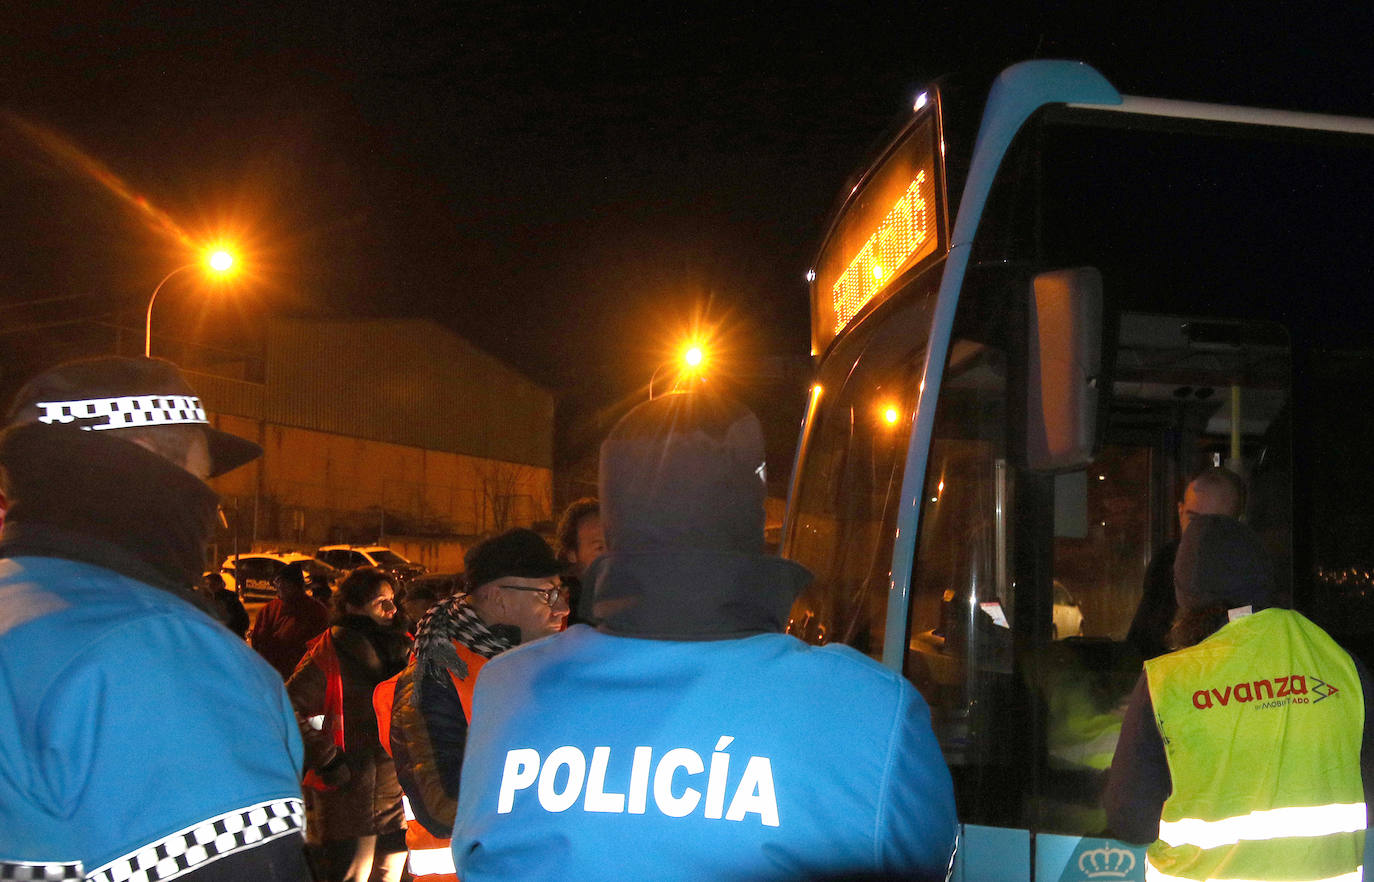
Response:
column 840, row 526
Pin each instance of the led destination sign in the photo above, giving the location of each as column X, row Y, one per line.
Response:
column 891, row 223
column 905, row 232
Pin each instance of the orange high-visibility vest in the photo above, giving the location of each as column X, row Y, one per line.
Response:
column 321, row 653
column 431, row 857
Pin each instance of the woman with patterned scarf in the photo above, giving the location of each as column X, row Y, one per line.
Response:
column 423, row 712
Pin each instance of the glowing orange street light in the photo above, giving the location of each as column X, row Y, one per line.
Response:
column 693, row 357
column 218, row 261
column 221, row 261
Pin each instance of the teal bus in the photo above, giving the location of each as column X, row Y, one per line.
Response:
column 1031, row 326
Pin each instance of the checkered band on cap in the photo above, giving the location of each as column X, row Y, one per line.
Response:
column 24, row 871
column 190, row 849
column 127, row 412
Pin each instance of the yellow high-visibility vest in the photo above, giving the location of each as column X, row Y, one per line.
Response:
column 1262, row 724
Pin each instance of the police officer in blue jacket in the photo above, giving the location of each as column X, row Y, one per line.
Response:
column 686, row 737
column 139, row 738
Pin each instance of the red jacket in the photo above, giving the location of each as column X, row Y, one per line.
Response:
column 284, row 629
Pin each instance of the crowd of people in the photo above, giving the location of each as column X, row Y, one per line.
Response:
column 640, row 712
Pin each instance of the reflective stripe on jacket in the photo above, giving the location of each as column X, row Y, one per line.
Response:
column 1262, row 726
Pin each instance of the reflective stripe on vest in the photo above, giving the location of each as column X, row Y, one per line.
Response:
column 431, row 862
column 430, row 856
column 1153, row 874
column 1280, row 823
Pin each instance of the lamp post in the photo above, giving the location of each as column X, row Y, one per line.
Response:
column 218, row 261
column 654, row 376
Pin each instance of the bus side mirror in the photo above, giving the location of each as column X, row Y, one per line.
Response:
column 1064, row 368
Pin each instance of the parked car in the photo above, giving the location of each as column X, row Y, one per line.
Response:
column 443, row 584
column 350, row 557
column 251, row 575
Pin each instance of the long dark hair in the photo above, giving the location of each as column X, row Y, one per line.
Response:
column 359, row 589
column 1193, row 626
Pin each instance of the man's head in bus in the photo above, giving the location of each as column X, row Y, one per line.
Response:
column 682, row 506
column 1221, row 566
column 1216, row 491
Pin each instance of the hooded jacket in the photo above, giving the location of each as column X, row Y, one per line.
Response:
column 687, row 737
column 114, row 684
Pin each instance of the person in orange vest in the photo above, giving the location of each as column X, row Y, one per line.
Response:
column 423, row 713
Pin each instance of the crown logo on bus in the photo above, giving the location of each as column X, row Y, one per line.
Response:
column 1107, row 862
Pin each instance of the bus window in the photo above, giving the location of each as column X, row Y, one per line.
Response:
column 1085, row 671
column 847, row 499
column 1102, row 543
column 1339, row 487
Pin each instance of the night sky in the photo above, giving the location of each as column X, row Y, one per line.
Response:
column 568, row 186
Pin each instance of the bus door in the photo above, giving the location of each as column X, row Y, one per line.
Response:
column 1186, row 394
column 1026, row 583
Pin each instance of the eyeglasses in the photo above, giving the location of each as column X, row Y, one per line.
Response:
column 550, row 596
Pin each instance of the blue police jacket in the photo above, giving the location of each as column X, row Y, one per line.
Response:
column 593, row 756
column 138, row 737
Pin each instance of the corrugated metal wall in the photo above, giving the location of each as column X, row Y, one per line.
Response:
column 401, row 381
column 223, row 395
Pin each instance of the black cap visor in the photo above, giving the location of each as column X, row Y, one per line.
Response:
column 228, row 452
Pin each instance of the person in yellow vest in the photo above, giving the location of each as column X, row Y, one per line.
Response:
column 515, row 597
column 1241, row 752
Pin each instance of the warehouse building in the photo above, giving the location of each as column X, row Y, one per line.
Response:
column 391, row 430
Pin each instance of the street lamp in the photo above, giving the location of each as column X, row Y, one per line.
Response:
column 693, row 357
column 221, row 261
column 218, row 261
